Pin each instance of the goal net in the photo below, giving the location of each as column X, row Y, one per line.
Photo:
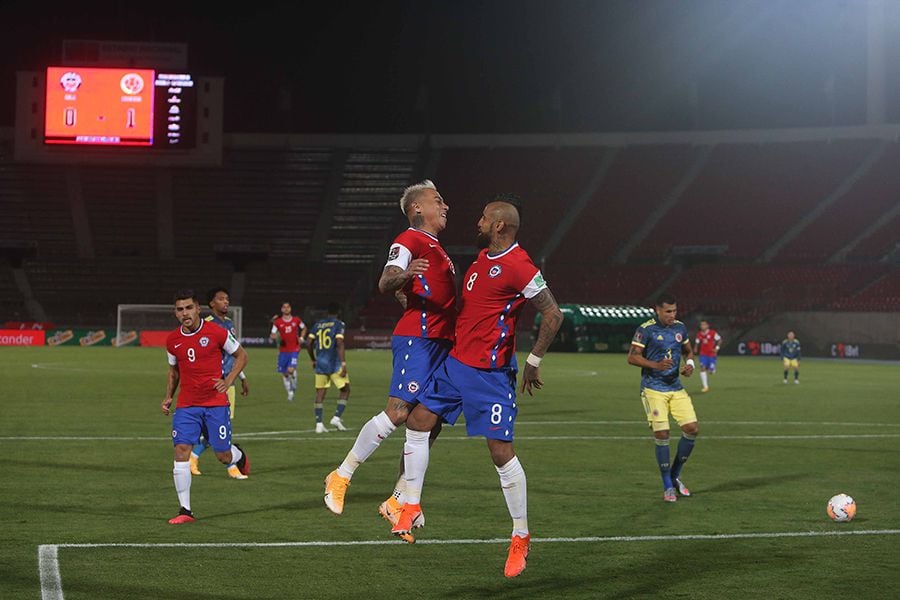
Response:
column 131, row 319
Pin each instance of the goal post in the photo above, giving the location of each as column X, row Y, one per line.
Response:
column 132, row 319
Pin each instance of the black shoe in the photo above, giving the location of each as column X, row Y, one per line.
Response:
column 243, row 465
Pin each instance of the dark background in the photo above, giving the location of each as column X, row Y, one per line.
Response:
column 499, row 66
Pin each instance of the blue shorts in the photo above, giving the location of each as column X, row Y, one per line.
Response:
column 287, row 359
column 487, row 397
column 708, row 363
column 213, row 422
column 415, row 359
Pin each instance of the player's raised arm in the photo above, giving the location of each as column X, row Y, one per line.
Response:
column 551, row 320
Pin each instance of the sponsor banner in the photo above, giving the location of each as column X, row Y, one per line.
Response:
column 78, row 337
column 154, row 338
column 754, row 348
column 20, row 337
column 841, row 350
column 256, row 341
column 367, row 340
column 129, row 338
column 28, row 325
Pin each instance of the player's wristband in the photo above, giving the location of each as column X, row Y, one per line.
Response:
column 242, row 376
column 534, row 361
column 689, row 362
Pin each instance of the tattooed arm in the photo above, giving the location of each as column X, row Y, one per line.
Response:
column 394, row 278
column 551, row 320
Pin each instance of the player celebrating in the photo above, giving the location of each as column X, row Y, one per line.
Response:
column 790, row 356
column 421, row 273
column 194, row 352
column 479, row 376
column 707, row 345
column 289, row 330
column 326, row 351
column 657, row 347
column 219, row 300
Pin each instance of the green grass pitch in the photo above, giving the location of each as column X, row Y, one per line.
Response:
column 87, row 489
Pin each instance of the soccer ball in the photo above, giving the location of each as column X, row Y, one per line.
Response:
column 841, row 508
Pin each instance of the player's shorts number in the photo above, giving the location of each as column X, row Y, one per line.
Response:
column 471, row 282
column 192, row 354
column 496, row 414
column 223, row 432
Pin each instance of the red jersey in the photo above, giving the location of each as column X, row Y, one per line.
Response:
column 288, row 333
column 494, row 291
column 708, row 342
column 430, row 297
column 198, row 356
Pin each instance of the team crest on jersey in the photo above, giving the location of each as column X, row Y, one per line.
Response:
column 412, row 387
column 204, row 341
column 394, row 253
column 678, row 338
column 659, row 337
column 495, row 270
column 638, row 336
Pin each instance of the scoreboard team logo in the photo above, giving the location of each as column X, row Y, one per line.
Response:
column 70, row 82
column 131, row 84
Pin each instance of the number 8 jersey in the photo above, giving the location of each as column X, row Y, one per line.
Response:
column 198, row 356
column 494, row 291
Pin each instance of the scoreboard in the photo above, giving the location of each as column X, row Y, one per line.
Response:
column 120, row 107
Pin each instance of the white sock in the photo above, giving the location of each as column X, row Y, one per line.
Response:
column 182, row 475
column 236, row 455
column 293, row 379
column 704, row 379
column 515, row 490
column 415, row 463
column 400, row 490
column 375, row 431
column 287, row 384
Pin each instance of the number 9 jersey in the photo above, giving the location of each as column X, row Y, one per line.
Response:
column 198, row 356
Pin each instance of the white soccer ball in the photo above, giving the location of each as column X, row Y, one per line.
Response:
column 841, row 508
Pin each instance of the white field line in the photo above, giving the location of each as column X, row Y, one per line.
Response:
column 51, row 582
column 459, row 438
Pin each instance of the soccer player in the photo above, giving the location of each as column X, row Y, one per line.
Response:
column 326, row 351
column 194, row 352
column 420, row 273
column 219, row 300
column 707, row 345
column 790, row 356
column 479, row 376
column 657, row 348
column 288, row 330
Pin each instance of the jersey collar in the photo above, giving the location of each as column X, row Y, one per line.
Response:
column 431, row 235
column 195, row 332
column 504, row 253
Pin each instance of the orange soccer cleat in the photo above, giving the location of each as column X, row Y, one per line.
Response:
column 518, row 555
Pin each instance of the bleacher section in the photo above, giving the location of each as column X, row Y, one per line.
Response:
column 310, row 224
column 121, row 206
column 748, row 195
column 269, row 197
column 35, row 209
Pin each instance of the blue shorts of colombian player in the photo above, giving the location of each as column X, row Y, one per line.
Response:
column 708, row 363
column 287, row 359
column 486, row 396
column 415, row 359
column 211, row 421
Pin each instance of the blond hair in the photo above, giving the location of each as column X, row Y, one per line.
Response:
column 412, row 192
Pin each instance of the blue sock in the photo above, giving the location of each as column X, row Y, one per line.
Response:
column 662, row 457
column 685, row 447
column 339, row 410
column 318, row 414
column 199, row 448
